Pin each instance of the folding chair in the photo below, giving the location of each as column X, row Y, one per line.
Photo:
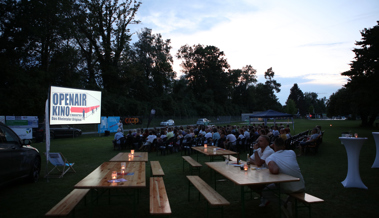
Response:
column 60, row 163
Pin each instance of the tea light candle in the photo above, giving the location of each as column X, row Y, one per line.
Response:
column 114, row 175
column 356, row 135
column 245, row 167
column 132, row 152
column 123, row 165
column 205, row 145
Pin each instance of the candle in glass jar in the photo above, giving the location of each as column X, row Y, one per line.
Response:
column 132, row 152
column 205, row 145
column 123, row 165
column 114, row 175
column 356, row 135
column 245, row 167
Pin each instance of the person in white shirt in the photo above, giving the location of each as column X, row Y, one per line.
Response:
column 262, row 151
column 230, row 141
column 121, row 126
column 283, row 161
column 208, row 135
column 149, row 140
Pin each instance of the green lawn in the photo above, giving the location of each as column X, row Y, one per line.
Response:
column 322, row 172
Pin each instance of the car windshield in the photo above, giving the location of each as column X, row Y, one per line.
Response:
column 7, row 136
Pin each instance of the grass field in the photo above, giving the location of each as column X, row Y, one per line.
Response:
column 322, row 172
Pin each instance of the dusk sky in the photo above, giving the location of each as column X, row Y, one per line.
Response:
column 305, row 42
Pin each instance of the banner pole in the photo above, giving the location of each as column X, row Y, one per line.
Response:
column 47, row 133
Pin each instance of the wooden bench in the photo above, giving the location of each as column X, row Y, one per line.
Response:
column 159, row 204
column 67, row 204
column 306, row 199
column 194, row 165
column 156, row 169
column 213, row 197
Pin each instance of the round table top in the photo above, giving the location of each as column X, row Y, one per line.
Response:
column 353, row 138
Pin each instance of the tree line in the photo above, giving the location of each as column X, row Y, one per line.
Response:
column 87, row 44
column 359, row 96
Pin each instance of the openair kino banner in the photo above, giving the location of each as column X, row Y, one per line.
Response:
column 74, row 106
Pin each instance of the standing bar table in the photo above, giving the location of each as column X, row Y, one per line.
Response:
column 353, row 147
column 376, row 138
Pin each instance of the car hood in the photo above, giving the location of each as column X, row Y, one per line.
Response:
column 30, row 147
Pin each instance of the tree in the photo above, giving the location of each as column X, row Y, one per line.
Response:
column 32, row 33
column 298, row 97
column 206, row 69
column 265, row 93
column 364, row 76
column 104, row 23
column 151, row 54
column 291, row 107
column 243, row 79
column 340, row 104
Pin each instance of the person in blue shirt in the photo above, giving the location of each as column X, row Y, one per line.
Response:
column 118, row 135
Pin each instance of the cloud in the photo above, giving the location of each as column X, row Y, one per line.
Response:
column 325, row 79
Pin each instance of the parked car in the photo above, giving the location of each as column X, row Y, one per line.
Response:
column 168, row 123
column 56, row 131
column 17, row 158
column 203, row 121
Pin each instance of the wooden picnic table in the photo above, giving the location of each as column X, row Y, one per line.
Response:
column 250, row 177
column 138, row 156
column 100, row 179
column 209, row 151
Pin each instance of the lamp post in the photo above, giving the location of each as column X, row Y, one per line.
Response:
column 152, row 113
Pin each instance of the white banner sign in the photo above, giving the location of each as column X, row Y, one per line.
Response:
column 23, row 133
column 74, row 106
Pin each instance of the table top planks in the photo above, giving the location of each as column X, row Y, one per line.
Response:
column 138, row 156
column 209, row 151
column 100, row 176
column 249, row 177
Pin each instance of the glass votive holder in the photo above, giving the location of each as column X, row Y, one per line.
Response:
column 123, row 165
column 245, row 167
column 132, row 152
column 114, row 175
column 356, row 135
column 205, row 145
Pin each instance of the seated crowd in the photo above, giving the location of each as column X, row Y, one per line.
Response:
column 228, row 137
